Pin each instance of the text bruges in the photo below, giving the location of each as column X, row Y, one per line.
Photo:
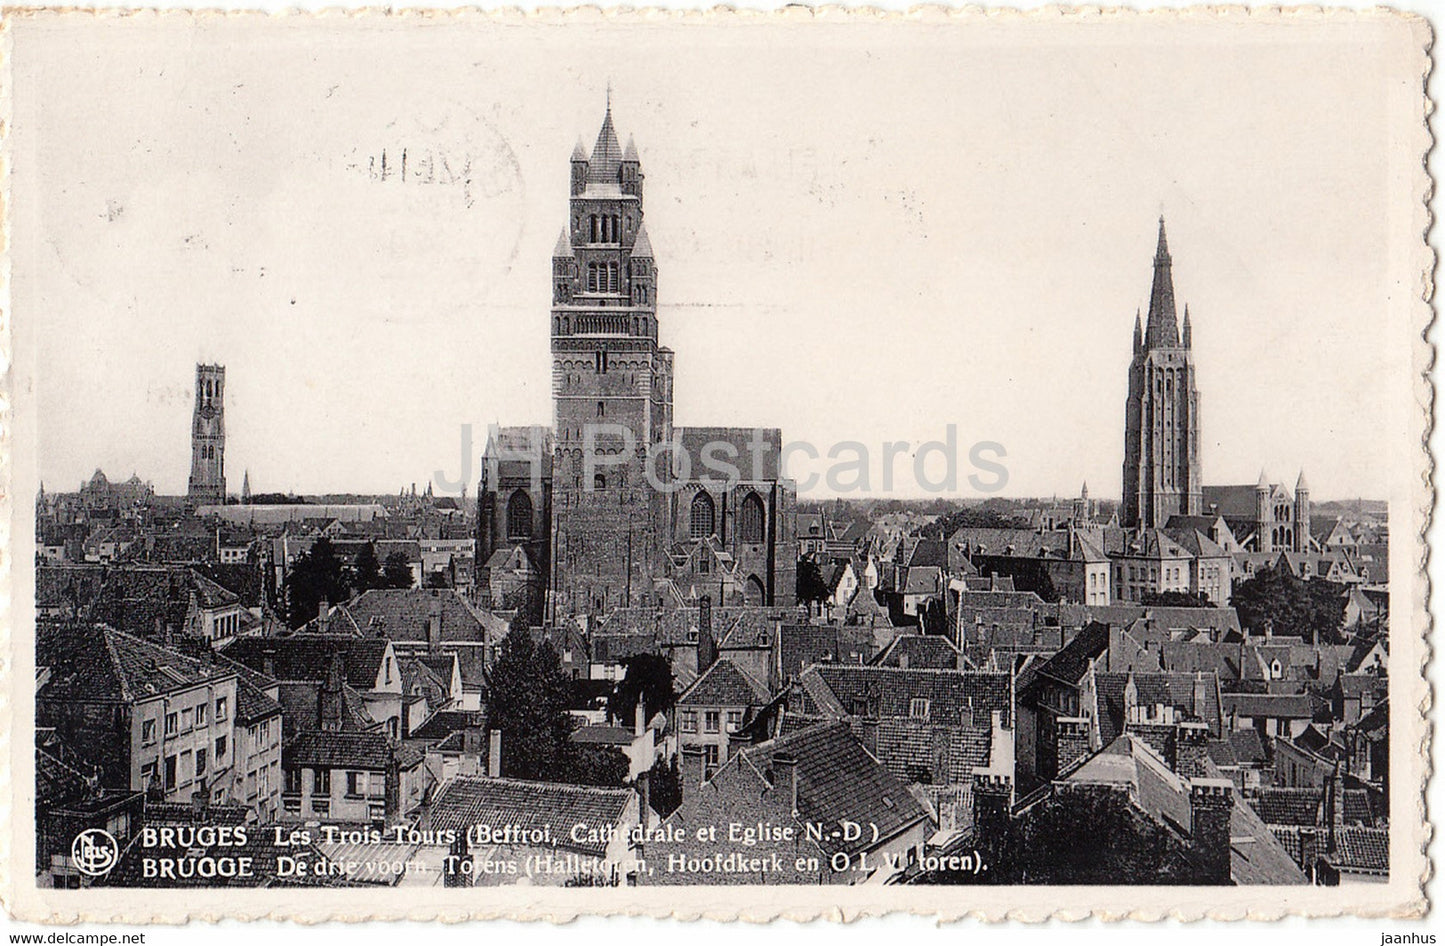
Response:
column 189, row 837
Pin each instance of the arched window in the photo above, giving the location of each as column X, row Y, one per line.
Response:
column 751, row 519
column 519, row 516
column 599, row 481
column 701, row 523
column 754, row 592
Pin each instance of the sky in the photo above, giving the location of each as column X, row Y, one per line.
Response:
column 862, row 235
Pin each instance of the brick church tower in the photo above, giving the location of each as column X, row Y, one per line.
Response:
column 207, row 486
column 1161, row 426
column 611, row 386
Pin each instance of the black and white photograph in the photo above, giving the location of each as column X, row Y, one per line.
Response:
column 581, row 462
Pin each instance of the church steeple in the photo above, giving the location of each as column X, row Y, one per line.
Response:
column 1188, row 332
column 1138, row 332
column 1163, row 330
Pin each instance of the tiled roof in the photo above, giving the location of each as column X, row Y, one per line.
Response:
column 955, row 697
column 1361, row 850
column 55, row 782
column 402, row 614
column 1304, row 807
column 444, row 722
column 531, row 806
column 1268, row 705
column 308, row 657
column 839, row 781
column 725, row 684
column 802, row 645
column 93, row 664
column 920, row 652
column 1070, row 663
column 341, row 750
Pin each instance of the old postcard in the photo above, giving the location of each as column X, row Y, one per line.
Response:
column 717, row 464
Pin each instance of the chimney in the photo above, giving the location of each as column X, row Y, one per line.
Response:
column 268, row 664
column 1071, row 742
column 1189, row 748
column 639, row 716
column 434, row 623
column 494, row 754
column 868, row 734
column 1337, row 807
column 692, row 769
column 644, row 798
column 992, row 800
column 785, row 783
column 329, row 703
column 472, row 741
column 1210, row 805
column 323, row 610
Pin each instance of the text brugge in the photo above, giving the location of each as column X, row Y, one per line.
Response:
column 187, row 837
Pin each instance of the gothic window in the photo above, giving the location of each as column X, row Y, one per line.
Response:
column 599, row 481
column 519, row 516
column 750, row 519
column 754, row 592
column 601, row 408
column 594, row 229
column 703, row 516
column 611, row 277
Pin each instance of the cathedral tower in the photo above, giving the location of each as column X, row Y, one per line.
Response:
column 611, row 385
column 207, row 486
column 1161, row 421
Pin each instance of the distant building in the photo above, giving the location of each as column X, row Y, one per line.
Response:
column 1161, row 427
column 207, row 485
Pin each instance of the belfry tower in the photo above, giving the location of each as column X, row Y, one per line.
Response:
column 1161, row 418
column 611, row 385
column 207, row 486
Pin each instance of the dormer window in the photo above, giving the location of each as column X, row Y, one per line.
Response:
column 918, row 708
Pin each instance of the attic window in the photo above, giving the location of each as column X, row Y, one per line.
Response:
column 918, row 708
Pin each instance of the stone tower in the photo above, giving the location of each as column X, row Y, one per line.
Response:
column 1161, row 420
column 207, row 486
column 611, row 385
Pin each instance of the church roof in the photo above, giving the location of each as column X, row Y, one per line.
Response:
column 642, row 246
column 1163, row 330
column 606, row 154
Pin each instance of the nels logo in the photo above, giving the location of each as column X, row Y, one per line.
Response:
column 94, row 852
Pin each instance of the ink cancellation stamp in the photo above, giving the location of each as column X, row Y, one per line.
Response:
column 949, row 462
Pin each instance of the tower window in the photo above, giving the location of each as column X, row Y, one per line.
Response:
column 599, row 481
column 611, row 277
column 750, row 519
column 703, row 516
column 601, row 408
column 519, row 516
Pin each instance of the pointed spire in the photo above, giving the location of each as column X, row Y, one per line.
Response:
column 1188, row 330
column 642, row 246
column 1138, row 331
column 629, row 154
column 607, row 153
column 1263, row 481
column 579, row 152
column 563, row 249
column 1084, row 493
column 1163, row 326
column 1301, row 483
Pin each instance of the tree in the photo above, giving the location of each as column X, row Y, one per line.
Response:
column 397, row 572
column 664, row 783
column 435, row 580
column 316, row 576
column 648, row 676
column 1275, row 599
column 527, row 701
column 1176, row 599
column 811, row 588
column 603, row 766
column 367, row 571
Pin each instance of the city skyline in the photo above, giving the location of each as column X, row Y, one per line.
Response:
column 353, row 369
